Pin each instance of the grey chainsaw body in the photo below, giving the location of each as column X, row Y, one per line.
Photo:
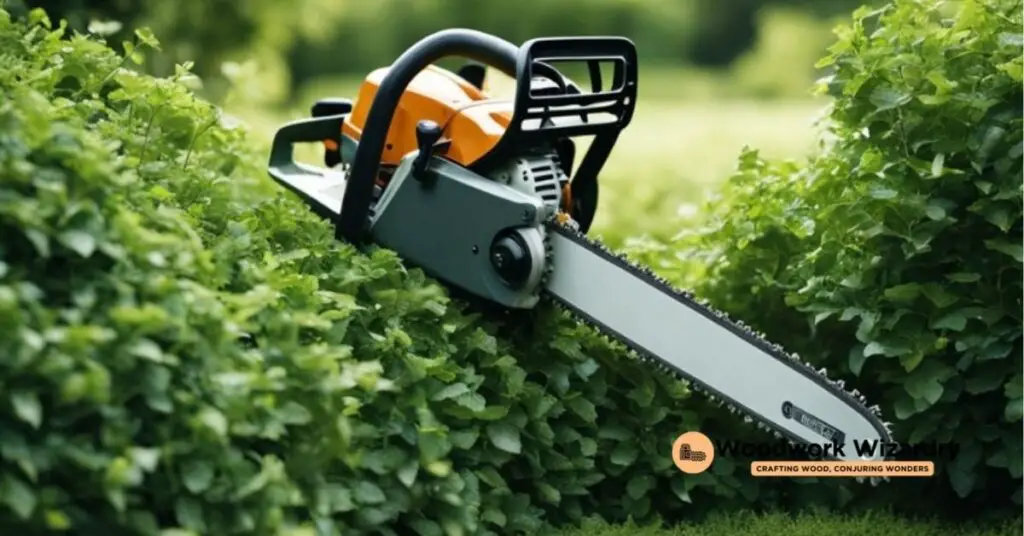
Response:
column 512, row 231
column 447, row 221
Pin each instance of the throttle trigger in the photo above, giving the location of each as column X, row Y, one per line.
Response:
column 428, row 141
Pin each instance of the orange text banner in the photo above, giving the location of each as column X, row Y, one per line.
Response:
column 843, row 469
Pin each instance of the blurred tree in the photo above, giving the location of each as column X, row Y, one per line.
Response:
column 79, row 13
column 294, row 41
column 826, row 8
column 370, row 35
column 726, row 29
column 786, row 36
column 208, row 33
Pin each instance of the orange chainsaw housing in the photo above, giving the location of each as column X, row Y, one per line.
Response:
column 470, row 120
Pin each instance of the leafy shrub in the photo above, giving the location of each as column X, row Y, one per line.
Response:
column 894, row 256
column 186, row 346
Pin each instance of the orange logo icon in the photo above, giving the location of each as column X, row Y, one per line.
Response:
column 693, row 453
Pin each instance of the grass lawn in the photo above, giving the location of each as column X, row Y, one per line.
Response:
column 806, row 525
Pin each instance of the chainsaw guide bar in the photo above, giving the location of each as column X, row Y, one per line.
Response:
column 716, row 367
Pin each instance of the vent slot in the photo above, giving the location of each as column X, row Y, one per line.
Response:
column 538, row 175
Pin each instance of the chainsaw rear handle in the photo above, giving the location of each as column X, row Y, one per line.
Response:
column 617, row 101
column 283, row 167
column 351, row 223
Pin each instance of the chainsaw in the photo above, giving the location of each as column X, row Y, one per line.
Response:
column 480, row 194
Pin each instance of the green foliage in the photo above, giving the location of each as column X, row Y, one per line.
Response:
column 893, row 257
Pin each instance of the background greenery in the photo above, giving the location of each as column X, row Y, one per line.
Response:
column 304, row 39
column 187, row 346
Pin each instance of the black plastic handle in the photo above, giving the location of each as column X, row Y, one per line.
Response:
column 619, row 98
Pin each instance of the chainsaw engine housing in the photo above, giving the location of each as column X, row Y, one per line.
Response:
column 456, row 182
column 470, row 119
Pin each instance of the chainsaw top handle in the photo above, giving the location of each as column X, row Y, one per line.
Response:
column 522, row 63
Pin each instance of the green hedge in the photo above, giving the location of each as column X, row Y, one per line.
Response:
column 893, row 257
